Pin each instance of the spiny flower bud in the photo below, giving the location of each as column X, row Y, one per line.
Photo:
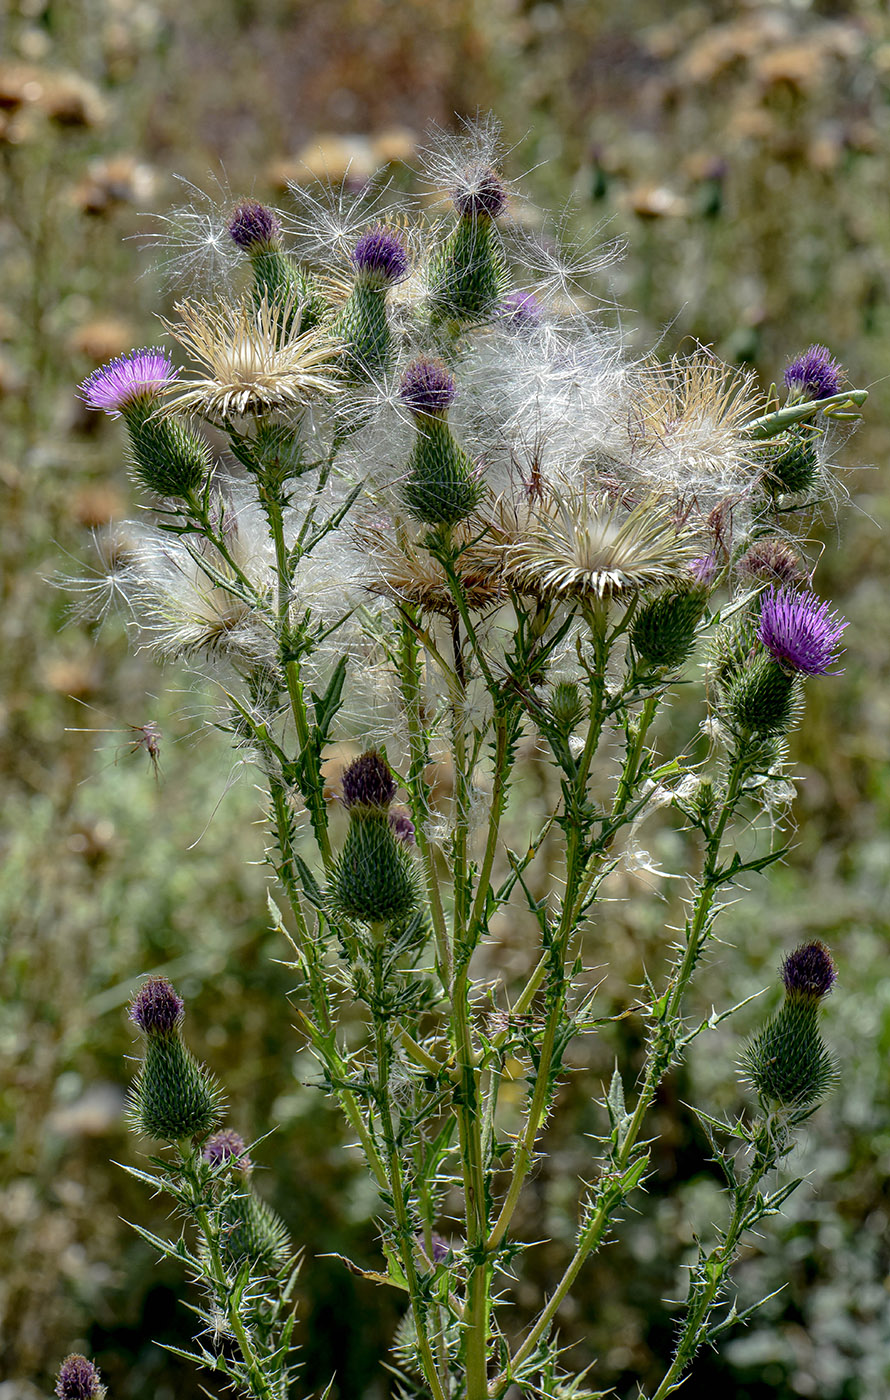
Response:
column 813, row 375
column 771, row 560
column 227, row 1148
column 368, row 782
column 663, row 630
column 254, row 226
column 173, row 1095
column 374, row 879
column 469, row 272
column 799, row 631
column 442, row 486
column 380, row 259
column 761, row 698
column 791, row 462
column 787, row 1061
column 254, row 1231
column 79, row 1379
column 567, row 706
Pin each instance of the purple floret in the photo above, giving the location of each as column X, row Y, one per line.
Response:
column 799, row 631
column 481, row 192
column 141, row 374
column 253, row 224
column 226, row 1146
column 704, row 568
column 157, row 1008
column 814, row 374
column 427, row 387
column 380, row 255
column 402, row 828
column 809, row 971
column 78, row 1379
column 368, row 782
column 521, row 308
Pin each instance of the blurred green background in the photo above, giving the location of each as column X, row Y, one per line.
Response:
column 743, row 152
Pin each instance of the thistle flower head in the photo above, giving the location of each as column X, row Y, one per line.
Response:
column 466, row 165
column 226, row 1148
column 479, row 193
column 380, row 256
column 580, row 544
column 254, row 226
column 427, row 387
column 814, row 374
column 799, row 631
column 772, row 560
column 704, row 568
column 141, row 375
column 809, row 971
column 521, row 310
column 368, row 782
column 78, row 1379
column 252, row 368
column 157, row 1009
column 402, row 827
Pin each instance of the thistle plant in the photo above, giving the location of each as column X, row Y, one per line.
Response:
column 451, row 518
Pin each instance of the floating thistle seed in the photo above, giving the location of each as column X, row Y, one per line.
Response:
column 165, row 456
column 79, row 1379
column 173, row 1096
column 771, row 560
column 374, row 879
column 251, row 369
column 787, row 1062
column 580, row 544
column 813, row 375
column 799, row 631
column 276, row 278
column 443, row 485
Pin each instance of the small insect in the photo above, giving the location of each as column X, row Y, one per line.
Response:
column 143, row 736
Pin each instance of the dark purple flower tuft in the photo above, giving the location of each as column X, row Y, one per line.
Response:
column 809, row 971
column 427, row 387
column 704, row 568
column 799, row 631
column 78, row 1379
column 814, row 374
column 142, row 374
column 379, row 254
column 771, row 560
column 402, row 827
column 441, row 1248
column 157, row 1008
column 226, row 1146
column 480, row 192
column 521, row 309
column 253, row 224
column 368, row 782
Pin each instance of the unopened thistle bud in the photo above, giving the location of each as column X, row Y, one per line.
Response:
column 663, row 630
column 791, row 463
column 374, row 879
column 380, row 259
column 813, row 375
column 469, row 272
column 165, row 456
column 173, row 1095
column 770, row 560
column 79, row 1379
column 443, row 486
column 277, row 281
column 252, row 1229
column 567, row 706
column 761, row 698
column 787, row 1062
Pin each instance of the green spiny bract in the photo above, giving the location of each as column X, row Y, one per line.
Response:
column 469, row 275
column 278, row 281
column 567, row 706
column 254, row 1231
column 363, row 326
column 761, row 698
column 787, row 1061
column 374, row 879
column 443, row 486
column 792, row 462
column 173, row 1095
column 663, row 630
column 165, row 455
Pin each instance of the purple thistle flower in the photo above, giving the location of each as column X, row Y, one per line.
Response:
column 368, row 782
column 799, row 631
column 253, row 225
column 814, row 374
column 142, row 374
column 427, row 387
column 480, row 192
column 227, row 1146
column 78, row 1379
column 380, row 256
column 522, row 309
column 402, row 828
column 809, row 971
column 157, row 1009
column 704, row 568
